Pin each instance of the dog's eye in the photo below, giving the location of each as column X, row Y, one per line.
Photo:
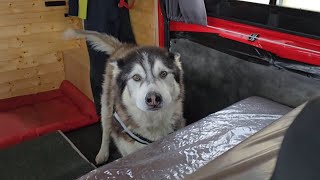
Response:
column 136, row 77
column 163, row 74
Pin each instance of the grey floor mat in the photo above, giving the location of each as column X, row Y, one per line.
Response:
column 48, row 157
column 88, row 141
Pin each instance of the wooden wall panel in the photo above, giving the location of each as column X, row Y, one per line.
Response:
column 33, row 55
column 32, row 48
column 144, row 21
column 77, row 69
column 11, row 7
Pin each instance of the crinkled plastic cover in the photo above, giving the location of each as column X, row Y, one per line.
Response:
column 254, row 158
column 184, row 151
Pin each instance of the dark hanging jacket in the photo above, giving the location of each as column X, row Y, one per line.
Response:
column 103, row 16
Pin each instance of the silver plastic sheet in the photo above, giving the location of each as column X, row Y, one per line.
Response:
column 187, row 149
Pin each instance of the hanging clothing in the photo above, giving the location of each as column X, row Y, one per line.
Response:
column 78, row 8
column 73, row 7
column 83, row 4
column 105, row 16
column 189, row 11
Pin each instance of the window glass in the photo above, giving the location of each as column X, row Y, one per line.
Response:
column 258, row 1
column 311, row 5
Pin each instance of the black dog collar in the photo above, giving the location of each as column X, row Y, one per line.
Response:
column 135, row 136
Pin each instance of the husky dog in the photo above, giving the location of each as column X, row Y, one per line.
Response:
column 142, row 96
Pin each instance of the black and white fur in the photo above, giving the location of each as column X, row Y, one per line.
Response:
column 144, row 85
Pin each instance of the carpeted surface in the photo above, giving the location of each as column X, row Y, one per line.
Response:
column 47, row 157
column 88, row 141
column 215, row 80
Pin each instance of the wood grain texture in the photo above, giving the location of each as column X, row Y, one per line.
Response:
column 32, row 48
column 14, row 7
column 144, row 21
column 77, row 69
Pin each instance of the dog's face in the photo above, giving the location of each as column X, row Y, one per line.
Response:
column 149, row 78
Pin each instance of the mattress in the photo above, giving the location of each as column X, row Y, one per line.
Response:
column 186, row 150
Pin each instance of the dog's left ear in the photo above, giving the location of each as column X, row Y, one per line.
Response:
column 175, row 56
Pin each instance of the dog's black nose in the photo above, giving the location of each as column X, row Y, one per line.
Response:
column 153, row 99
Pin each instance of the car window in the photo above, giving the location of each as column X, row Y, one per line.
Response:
column 258, row 1
column 309, row 5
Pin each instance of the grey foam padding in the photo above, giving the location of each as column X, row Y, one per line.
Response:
column 184, row 151
column 47, row 157
column 215, row 80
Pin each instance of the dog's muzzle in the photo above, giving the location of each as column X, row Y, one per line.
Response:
column 153, row 100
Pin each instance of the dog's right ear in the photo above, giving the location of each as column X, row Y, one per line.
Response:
column 117, row 66
column 117, row 63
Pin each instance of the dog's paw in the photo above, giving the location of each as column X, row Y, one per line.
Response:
column 102, row 156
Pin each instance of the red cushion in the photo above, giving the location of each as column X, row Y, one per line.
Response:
column 26, row 117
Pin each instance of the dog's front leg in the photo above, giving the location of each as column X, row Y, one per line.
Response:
column 180, row 123
column 106, row 118
column 103, row 154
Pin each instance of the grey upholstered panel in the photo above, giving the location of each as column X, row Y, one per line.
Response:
column 215, row 80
